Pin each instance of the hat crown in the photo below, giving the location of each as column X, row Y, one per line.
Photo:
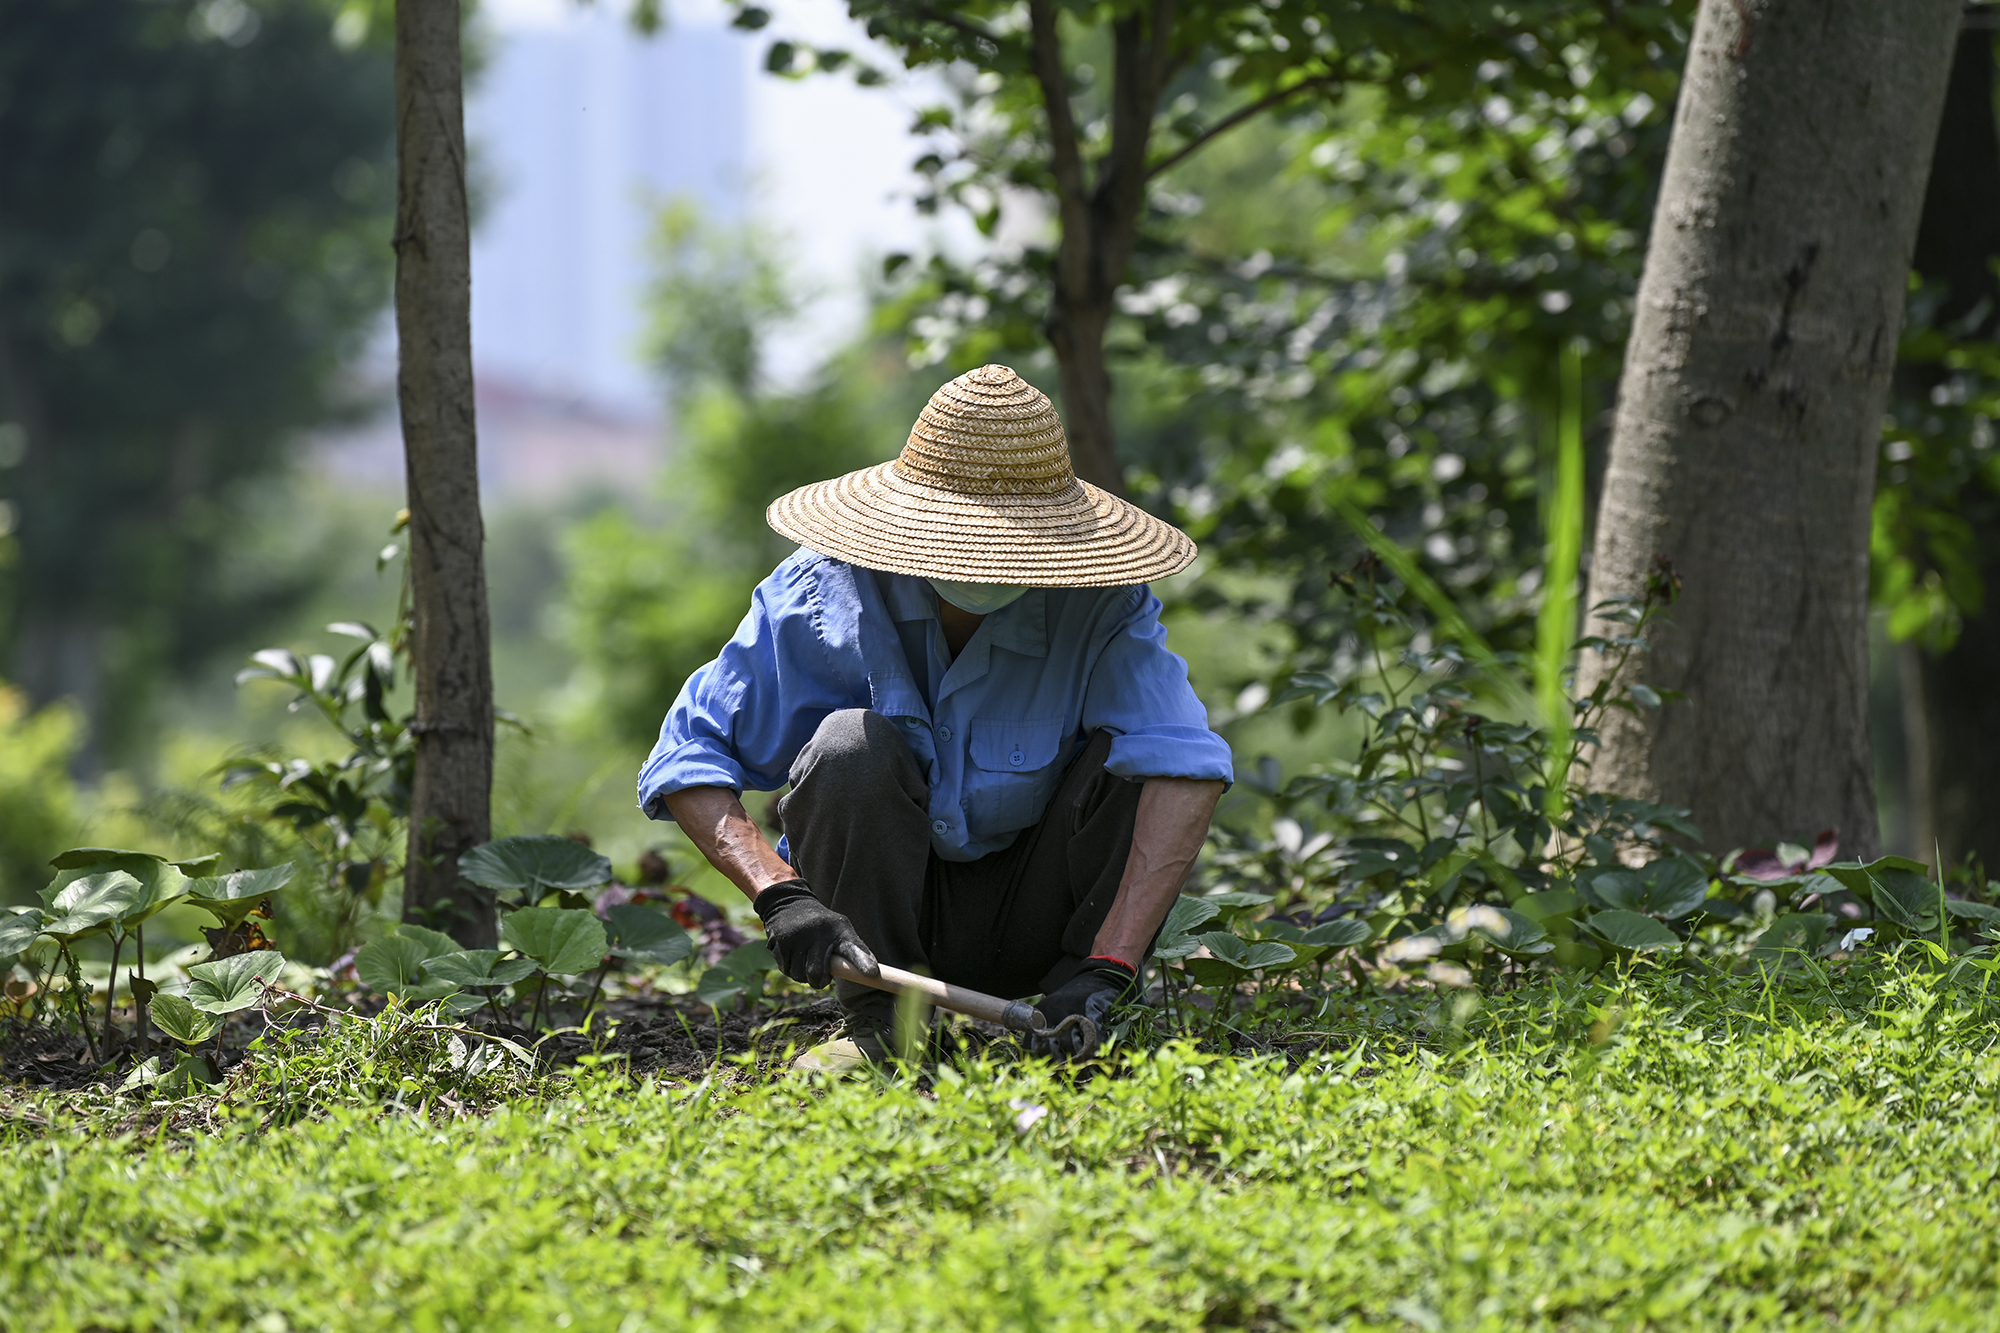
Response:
column 989, row 432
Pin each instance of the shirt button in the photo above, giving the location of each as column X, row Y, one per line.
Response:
column 939, row 827
column 1015, row 759
column 944, row 733
column 909, row 722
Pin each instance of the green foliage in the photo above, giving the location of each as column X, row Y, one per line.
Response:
column 1636, row 1152
column 177, row 1016
column 526, row 869
column 563, row 941
column 232, row 898
column 477, row 967
column 717, row 290
column 195, row 245
column 347, row 816
column 236, row 982
column 90, row 904
column 1939, row 484
column 639, row 933
column 742, row 973
column 36, row 790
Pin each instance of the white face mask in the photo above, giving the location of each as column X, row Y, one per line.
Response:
column 981, row 599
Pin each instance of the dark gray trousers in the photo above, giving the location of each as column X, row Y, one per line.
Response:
column 1017, row 922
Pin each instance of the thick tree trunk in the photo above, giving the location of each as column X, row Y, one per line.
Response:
column 1749, row 413
column 450, row 644
column 1957, row 244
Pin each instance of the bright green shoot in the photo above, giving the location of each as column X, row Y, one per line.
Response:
column 1555, row 627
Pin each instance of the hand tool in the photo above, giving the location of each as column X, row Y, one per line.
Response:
column 1014, row 1015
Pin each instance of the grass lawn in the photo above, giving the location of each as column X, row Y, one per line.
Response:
column 1657, row 1152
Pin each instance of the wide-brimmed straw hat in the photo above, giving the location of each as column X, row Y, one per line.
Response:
column 984, row 493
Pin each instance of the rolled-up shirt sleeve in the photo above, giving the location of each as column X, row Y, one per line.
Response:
column 740, row 720
column 1139, row 690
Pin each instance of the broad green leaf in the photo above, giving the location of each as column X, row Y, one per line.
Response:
column 741, row 971
column 562, row 940
column 161, row 881
column 1248, row 957
column 1341, row 933
column 1171, row 950
column 1675, row 886
column 1793, row 935
column 435, row 943
column 1187, row 913
column 477, row 967
column 718, row 986
column 1213, row 972
column 90, row 904
column 532, row 866
column 230, row 898
column 82, row 858
column 1631, row 930
column 1229, row 906
column 17, row 932
column 229, row 984
column 179, row 1019
column 143, row 1074
column 638, row 931
column 750, row 958
column 1544, row 907
column 1522, row 934
column 1900, row 889
column 394, row 963
column 1958, row 907
column 1669, row 887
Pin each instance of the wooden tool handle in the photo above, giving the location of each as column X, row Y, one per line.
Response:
column 1017, row 1015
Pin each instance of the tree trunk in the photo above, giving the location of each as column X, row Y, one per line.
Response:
column 1099, row 222
column 1957, row 244
column 1077, row 335
column 450, row 645
column 1749, row 413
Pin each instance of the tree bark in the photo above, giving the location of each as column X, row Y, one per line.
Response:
column 1750, row 408
column 450, row 642
column 1957, row 244
column 1099, row 221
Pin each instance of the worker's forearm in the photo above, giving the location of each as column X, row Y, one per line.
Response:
column 718, row 825
column 1167, row 834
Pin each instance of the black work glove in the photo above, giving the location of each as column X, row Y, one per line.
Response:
column 805, row 934
column 1091, row 993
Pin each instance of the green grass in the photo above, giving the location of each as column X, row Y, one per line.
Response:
column 1650, row 1154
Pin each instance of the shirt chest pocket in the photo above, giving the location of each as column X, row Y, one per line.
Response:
column 1012, row 773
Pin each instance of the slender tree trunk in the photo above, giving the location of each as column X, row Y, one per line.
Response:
column 1099, row 221
column 1957, row 244
column 450, row 644
column 1077, row 335
column 1749, row 413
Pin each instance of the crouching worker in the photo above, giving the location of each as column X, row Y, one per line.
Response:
column 998, row 772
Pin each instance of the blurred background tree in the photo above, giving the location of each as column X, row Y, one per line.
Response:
column 193, row 246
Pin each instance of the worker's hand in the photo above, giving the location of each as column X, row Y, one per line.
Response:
column 1091, row 993
column 805, row 933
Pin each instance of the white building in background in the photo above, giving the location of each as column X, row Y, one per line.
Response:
column 579, row 129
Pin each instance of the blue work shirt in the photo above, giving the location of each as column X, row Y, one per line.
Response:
column 993, row 729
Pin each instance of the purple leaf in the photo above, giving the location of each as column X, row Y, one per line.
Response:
column 1761, row 863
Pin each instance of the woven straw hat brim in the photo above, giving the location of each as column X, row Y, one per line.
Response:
column 1078, row 537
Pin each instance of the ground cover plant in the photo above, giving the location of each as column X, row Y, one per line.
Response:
column 1654, row 1148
